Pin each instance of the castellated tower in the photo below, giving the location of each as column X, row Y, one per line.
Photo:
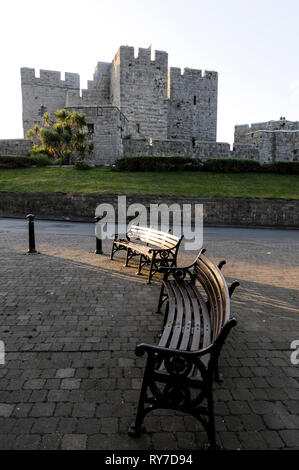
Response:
column 133, row 105
column 192, row 104
column 44, row 93
column 139, row 89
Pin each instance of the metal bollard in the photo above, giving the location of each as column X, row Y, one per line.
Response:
column 98, row 231
column 30, row 218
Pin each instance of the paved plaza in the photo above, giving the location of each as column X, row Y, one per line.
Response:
column 70, row 322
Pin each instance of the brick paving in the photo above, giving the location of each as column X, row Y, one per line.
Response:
column 71, row 320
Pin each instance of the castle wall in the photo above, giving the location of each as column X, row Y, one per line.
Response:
column 142, row 147
column 192, row 104
column 47, row 91
column 15, row 147
column 139, row 89
column 98, row 89
column 109, row 126
column 245, row 151
column 180, row 148
column 206, row 150
column 268, row 141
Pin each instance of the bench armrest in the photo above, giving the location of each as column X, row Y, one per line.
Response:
column 213, row 349
column 116, row 238
column 168, row 250
column 151, row 349
column 167, row 270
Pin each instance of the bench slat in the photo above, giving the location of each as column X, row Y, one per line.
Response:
column 156, row 241
column 149, row 235
column 168, row 236
column 201, row 334
column 214, row 296
column 187, row 317
column 164, row 340
column 223, row 286
column 178, row 324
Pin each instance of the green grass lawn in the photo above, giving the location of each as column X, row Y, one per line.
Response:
column 102, row 180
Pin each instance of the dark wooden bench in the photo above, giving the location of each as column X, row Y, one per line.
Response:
column 180, row 370
column 154, row 248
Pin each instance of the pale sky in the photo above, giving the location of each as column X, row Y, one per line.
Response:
column 252, row 45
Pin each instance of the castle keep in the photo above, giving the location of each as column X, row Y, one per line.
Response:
column 133, row 106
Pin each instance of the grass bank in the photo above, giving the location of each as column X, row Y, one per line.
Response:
column 104, row 181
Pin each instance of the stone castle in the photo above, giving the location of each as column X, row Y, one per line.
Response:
column 133, row 105
column 139, row 106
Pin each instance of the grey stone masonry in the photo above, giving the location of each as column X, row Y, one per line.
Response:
column 44, row 93
column 192, row 104
column 108, row 127
column 153, row 102
column 268, row 141
column 181, row 148
column 15, row 147
column 139, row 88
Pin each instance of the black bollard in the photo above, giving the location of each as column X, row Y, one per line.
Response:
column 30, row 219
column 99, row 249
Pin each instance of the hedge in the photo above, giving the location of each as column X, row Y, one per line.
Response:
column 214, row 165
column 283, row 168
column 231, row 165
column 163, row 163
column 14, row 161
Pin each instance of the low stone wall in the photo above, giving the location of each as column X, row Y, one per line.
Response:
column 206, row 150
column 180, row 148
column 250, row 152
column 141, row 147
column 217, row 211
column 15, row 147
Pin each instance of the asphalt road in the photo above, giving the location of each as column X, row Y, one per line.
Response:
column 210, row 233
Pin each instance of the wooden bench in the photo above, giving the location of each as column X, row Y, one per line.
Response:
column 180, row 370
column 155, row 248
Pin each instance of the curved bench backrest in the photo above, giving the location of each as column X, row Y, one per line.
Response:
column 214, row 284
column 153, row 236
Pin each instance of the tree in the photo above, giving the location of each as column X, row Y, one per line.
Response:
column 64, row 137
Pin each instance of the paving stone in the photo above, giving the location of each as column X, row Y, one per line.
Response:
column 42, row 409
column 84, row 410
column 65, row 373
column 290, row 438
column 7, row 441
column 273, row 421
column 74, row 442
column 50, row 442
column 6, row 410
column 272, row 439
column 27, row 442
column 252, row 440
column 70, row 384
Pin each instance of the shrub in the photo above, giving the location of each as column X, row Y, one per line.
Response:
column 14, row 161
column 231, row 165
column 81, row 165
column 282, row 168
column 40, row 159
column 157, row 163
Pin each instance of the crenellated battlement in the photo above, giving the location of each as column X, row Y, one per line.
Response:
column 176, row 72
column 126, row 56
column 49, row 78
